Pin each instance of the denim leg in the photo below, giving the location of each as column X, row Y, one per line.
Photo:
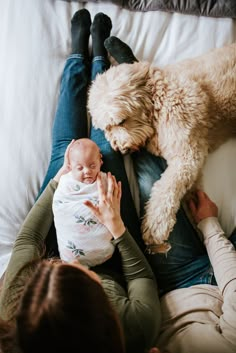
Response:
column 99, row 65
column 70, row 122
column 187, row 262
column 113, row 161
column 71, row 115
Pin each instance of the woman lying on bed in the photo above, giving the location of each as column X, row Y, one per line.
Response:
column 66, row 307
column 52, row 311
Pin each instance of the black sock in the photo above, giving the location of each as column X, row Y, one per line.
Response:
column 119, row 50
column 100, row 30
column 80, row 32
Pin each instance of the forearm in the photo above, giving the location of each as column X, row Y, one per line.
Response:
column 222, row 254
column 143, row 304
column 134, row 262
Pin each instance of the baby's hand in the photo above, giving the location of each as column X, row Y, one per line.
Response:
column 203, row 207
column 66, row 165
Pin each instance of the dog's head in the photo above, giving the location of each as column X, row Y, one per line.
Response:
column 120, row 103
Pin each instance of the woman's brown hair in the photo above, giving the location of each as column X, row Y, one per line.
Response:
column 64, row 310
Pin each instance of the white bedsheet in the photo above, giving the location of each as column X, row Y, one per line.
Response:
column 34, row 43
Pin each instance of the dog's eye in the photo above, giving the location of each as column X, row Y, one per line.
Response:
column 121, row 123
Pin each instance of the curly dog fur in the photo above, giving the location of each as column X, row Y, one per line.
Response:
column 180, row 112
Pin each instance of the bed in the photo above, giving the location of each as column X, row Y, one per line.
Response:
column 35, row 42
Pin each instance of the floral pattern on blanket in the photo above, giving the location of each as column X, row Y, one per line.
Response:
column 75, row 251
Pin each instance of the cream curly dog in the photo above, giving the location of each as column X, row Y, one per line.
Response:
column 179, row 112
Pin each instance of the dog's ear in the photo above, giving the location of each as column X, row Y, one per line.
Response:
column 104, row 99
column 115, row 94
column 107, row 118
column 137, row 74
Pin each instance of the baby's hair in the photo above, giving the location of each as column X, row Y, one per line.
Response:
column 83, row 143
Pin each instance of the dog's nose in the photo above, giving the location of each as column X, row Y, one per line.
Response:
column 125, row 150
column 130, row 150
column 133, row 149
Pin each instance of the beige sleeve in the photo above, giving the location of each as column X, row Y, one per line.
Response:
column 222, row 255
column 221, row 252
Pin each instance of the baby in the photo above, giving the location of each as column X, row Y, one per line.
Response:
column 80, row 236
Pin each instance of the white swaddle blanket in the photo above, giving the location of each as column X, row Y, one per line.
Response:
column 80, row 236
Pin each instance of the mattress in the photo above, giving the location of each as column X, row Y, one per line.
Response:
column 34, row 44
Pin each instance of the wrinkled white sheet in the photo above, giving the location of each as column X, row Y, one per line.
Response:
column 34, row 43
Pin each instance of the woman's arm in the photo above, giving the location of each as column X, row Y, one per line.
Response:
column 138, row 306
column 29, row 246
column 222, row 255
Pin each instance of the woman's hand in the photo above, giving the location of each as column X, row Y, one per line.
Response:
column 66, row 165
column 108, row 209
column 203, row 207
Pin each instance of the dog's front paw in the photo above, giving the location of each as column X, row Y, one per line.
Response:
column 153, row 239
column 156, row 227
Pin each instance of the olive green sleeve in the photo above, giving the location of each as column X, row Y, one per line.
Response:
column 134, row 263
column 138, row 306
column 28, row 246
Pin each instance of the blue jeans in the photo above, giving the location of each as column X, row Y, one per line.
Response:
column 187, row 262
column 71, row 123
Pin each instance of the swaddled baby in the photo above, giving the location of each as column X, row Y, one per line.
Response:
column 80, row 236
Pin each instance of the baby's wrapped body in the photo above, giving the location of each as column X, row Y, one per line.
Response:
column 80, row 236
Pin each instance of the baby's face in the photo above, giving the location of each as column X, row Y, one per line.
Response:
column 85, row 163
